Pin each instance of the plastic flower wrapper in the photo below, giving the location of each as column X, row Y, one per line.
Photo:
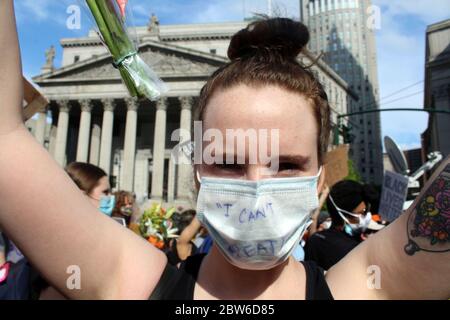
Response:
column 138, row 77
column 156, row 225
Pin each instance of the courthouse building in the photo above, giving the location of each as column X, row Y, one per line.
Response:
column 94, row 120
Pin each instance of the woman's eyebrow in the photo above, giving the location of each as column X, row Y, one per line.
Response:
column 294, row 158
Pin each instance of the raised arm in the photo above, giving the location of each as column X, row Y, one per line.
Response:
column 11, row 89
column 46, row 215
column 184, row 245
column 411, row 257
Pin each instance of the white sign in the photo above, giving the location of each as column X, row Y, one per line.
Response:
column 393, row 195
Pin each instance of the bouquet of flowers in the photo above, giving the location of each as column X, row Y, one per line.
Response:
column 156, row 225
column 139, row 78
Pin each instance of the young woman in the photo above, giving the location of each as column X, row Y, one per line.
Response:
column 263, row 87
column 125, row 207
column 94, row 183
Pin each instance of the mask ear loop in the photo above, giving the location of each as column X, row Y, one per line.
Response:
column 339, row 210
column 320, row 171
column 197, row 176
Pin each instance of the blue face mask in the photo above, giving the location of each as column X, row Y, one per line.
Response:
column 257, row 224
column 107, row 204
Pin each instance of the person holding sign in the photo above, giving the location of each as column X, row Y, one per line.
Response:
column 348, row 208
column 262, row 87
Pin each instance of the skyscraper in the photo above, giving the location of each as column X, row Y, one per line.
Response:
column 342, row 30
column 437, row 87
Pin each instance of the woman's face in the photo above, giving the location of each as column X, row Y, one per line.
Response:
column 258, row 109
column 101, row 189
column 361, row 210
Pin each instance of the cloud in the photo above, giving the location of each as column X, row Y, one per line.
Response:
column 50, row 11
column 425, row 10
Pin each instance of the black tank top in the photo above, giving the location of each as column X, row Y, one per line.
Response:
column 179, row 284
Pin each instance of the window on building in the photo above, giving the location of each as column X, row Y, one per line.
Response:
column 213, row 51
column 76, row 59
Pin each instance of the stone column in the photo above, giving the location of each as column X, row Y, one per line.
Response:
column 130, row 144
column 41, row 125
column 159, row 146
column 184, row 181
column 171, row 183
column 83, row 133
column 94, row 152
column 107, row 134
column 53, row 134
column 61, row 135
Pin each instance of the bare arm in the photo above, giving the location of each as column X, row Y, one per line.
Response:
column 412, row 255
column 11, row 89
column 45, row 214
column 184, row 245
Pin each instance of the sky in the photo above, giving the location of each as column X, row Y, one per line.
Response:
column 400, row 42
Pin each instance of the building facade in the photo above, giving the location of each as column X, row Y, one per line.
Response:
column 95, row 120
column 341, row 31
column 437, row 88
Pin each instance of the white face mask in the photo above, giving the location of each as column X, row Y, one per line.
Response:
column 353, row 228
column 257, row 224
column 326, row 224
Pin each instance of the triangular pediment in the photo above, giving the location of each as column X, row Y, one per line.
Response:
column 168, row 61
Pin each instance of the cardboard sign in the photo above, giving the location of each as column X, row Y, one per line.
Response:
column 35, row 101
column 393, row 195
column 336, row 165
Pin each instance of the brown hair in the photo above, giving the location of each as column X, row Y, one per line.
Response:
column 265, row 53
column 85, row 175
column 122, row 198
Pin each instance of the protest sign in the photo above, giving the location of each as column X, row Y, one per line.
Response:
column 336, row 165
column 393, row 195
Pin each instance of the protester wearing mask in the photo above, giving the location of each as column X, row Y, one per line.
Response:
column 324, row 221
column 94, row 183
column 183, row 246
column 263, row 86
column 125, row 206
column 350, row 218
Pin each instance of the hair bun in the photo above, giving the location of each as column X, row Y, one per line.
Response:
column 282, row 35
